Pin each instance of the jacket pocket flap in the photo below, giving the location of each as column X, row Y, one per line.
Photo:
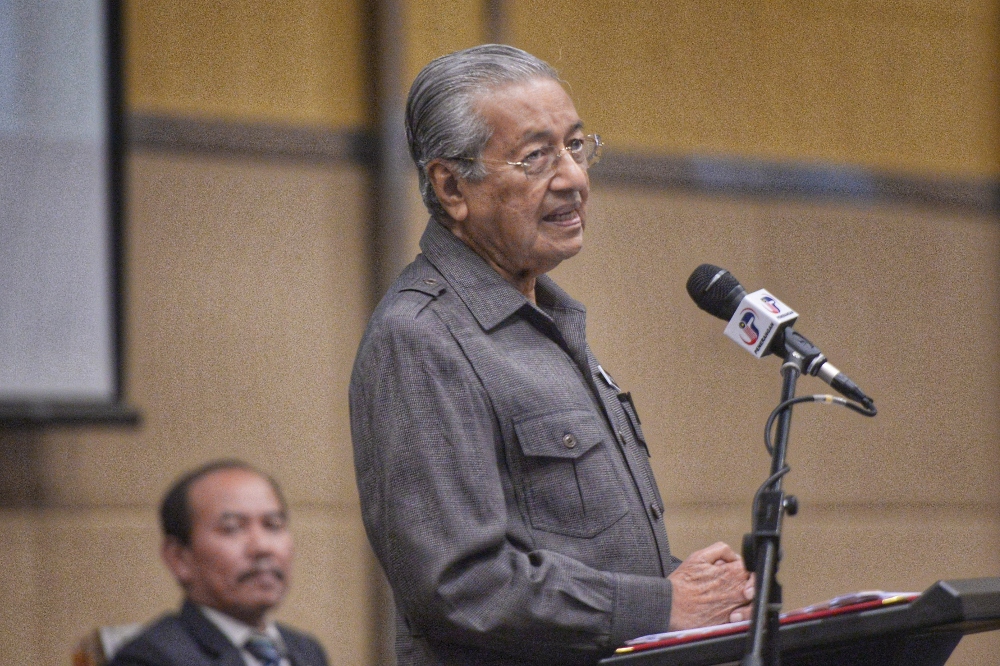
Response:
column 564, row 434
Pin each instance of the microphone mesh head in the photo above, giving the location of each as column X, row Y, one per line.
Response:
column 715, row 290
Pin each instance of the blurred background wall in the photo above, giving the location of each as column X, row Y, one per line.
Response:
column 845, row 155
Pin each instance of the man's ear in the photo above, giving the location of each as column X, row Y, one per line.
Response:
column 177, row 557
column 449, row 189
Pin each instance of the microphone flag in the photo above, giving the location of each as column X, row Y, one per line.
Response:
column 758, row 319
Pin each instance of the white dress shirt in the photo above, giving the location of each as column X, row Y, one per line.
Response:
column 238, row 633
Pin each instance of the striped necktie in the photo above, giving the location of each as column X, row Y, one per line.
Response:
column 264, row 649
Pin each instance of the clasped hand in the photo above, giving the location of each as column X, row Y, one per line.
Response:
column 712, row 586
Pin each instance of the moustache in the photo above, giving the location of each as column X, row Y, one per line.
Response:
column 259, row 571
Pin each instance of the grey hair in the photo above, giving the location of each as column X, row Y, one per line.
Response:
column 441, row 119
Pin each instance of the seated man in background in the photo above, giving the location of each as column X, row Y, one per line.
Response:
column 226, row 541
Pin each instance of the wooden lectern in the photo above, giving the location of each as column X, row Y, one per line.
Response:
column 920, row 633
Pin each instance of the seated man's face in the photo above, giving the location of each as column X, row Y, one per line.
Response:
column 240, row 555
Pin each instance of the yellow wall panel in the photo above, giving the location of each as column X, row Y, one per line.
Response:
column 436, row 28
column 908, row 85
column 244, row 311
column 293, row 61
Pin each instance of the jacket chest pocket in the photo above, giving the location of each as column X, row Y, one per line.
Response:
column 571, row 486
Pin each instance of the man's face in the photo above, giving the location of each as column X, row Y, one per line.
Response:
column 524, row 225
column 240, row 555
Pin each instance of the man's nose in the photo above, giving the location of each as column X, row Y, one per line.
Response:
column 569, row 174
column 261, row 541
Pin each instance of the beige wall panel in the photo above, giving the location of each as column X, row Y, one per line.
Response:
column 329, row 595
column 905, row 549
column 416, row 221
column 19, row 614
column 71, row 571
column 832, row 550
column 905, row 85
column 296, row 61
column 246, row 302
column 976, row 649
column 905, row 302
column 94, row 569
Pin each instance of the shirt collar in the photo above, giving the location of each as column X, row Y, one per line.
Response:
column 238, row 632
column 489, row 297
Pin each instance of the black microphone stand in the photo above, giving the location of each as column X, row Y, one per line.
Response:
column 762, row 546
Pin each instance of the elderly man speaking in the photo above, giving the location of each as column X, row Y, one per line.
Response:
column 503, row 476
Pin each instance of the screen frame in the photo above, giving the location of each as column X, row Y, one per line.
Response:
column 114, row 411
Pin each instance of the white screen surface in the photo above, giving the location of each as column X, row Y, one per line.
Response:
column 57, row 320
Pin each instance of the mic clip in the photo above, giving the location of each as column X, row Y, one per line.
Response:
column 795, row 343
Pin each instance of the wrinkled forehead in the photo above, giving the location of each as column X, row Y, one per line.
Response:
column 526, row 110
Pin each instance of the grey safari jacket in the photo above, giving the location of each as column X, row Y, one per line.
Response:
column 505, row 486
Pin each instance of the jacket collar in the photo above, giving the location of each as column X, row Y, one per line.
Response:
column 489, row 297
column 237, row 632
column 212, row 641
column 215, row 644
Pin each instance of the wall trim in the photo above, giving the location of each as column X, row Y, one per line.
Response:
column 749, row 177
column 718, row 175
column 266, row 140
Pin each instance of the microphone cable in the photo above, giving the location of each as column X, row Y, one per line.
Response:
column 864, row 410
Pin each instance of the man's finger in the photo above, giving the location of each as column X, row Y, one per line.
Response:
column 716, row 553
column 740, row 613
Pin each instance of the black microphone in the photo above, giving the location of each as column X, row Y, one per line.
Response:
column 717, row 292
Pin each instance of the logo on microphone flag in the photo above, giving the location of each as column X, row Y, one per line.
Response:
column 770, row 303
column 748, row 332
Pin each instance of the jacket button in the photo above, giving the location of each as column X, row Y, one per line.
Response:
column 569, row 441
column 430, row 281
column 655, row 510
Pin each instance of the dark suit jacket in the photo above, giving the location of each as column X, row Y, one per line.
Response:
column 190, row 639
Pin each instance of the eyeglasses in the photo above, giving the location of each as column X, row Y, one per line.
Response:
column 543, row 161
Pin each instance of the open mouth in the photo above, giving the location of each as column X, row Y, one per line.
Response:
column 563, row 216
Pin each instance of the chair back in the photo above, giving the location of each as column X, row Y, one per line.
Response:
column 99, row 646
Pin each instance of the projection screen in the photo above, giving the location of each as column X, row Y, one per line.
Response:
column 60, row 211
